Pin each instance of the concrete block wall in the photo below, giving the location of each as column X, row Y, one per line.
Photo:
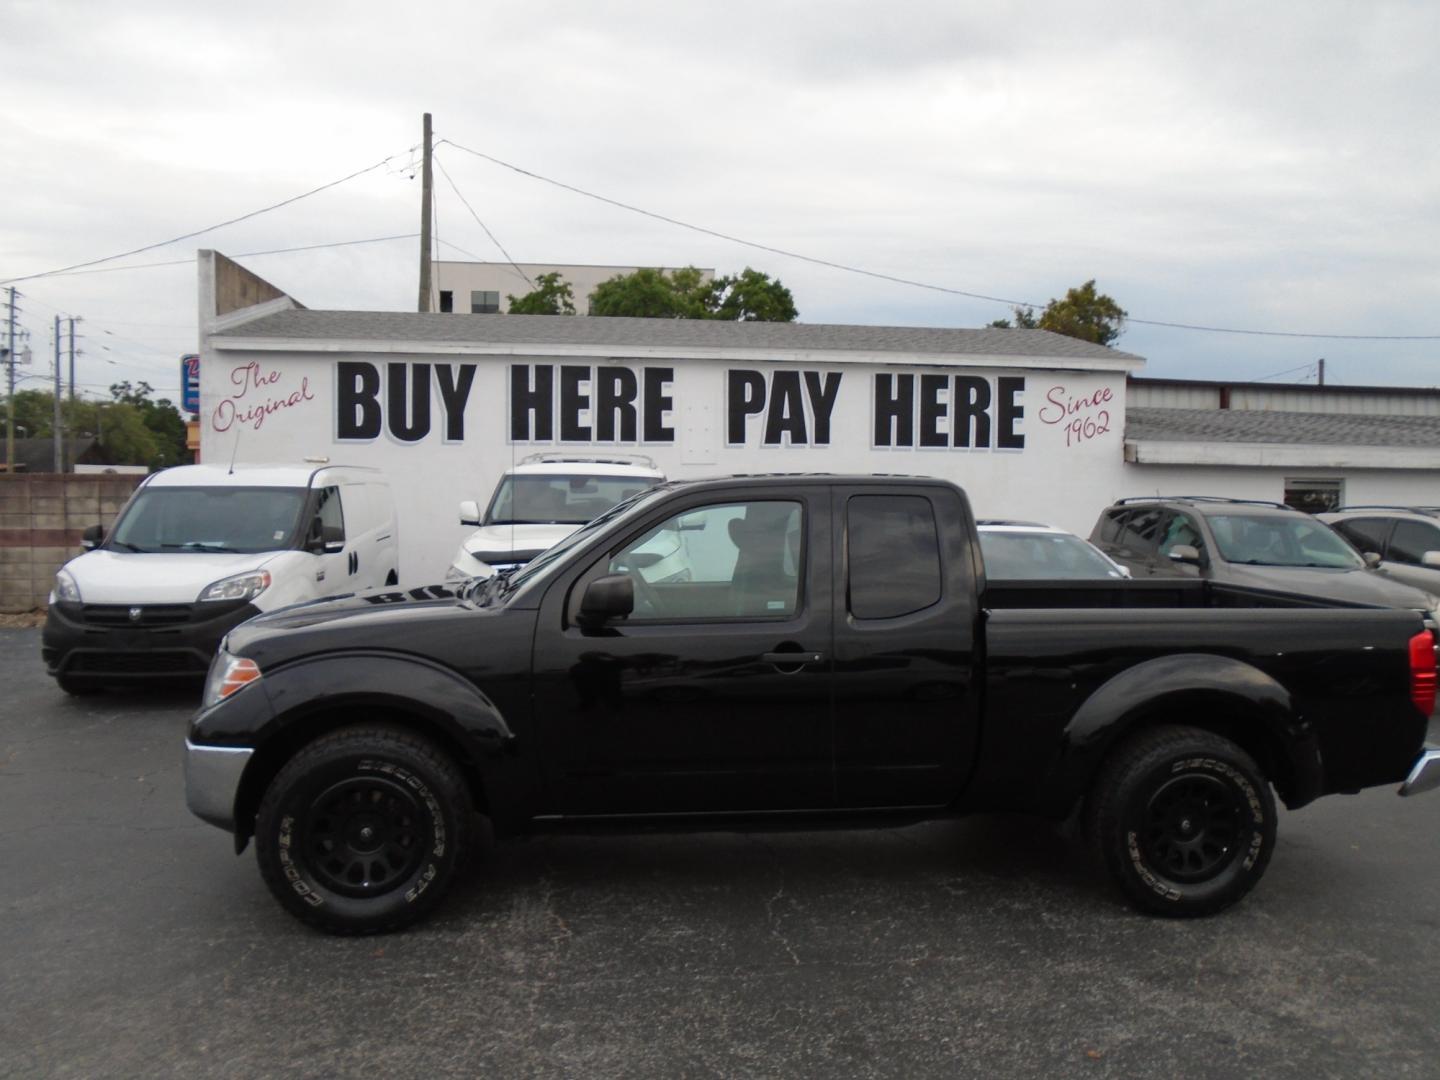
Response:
column 41, row 519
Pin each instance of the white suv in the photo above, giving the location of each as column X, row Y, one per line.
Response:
column 541, row 501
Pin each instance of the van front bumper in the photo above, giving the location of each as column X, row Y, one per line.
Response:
column 115, row 643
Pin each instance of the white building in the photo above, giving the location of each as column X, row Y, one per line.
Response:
column 484, row 288
column 1032, row 424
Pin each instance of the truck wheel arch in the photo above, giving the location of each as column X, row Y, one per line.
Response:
column 1219, row 694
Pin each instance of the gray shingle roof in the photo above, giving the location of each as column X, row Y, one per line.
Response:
column 1255, row 426
column 660, row 333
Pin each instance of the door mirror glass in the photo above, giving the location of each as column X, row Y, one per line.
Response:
column 90, row 539
column 1431, row 559
column 606, row 598
column 1372, row 559
column 1185, row 553
column 470, row 512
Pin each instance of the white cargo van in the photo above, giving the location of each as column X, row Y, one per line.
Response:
column 541, row 501
column 199, row 549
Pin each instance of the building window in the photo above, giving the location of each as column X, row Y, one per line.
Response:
column 1314, row 496
column 447, row 300
column 484, row 303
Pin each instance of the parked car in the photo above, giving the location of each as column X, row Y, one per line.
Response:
column 1027, row 550
column 783, row 647
column 199, row 549
column 1246, row 543
column 1405, row 540
column 540, row 502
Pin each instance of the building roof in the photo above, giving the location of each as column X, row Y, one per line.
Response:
column 38, row 455
column 620, row 334
column 1150, row 424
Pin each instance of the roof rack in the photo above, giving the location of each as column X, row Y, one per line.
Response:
column 560, row 458
column 1428, row 511
column 1008, row 522
column 1205, row 499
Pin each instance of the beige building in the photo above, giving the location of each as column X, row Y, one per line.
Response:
column 481, row 288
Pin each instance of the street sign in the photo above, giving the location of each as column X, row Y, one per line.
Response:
column 190, row 383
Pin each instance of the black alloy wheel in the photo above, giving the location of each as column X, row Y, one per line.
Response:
column 363, row 830
column 1182, row 819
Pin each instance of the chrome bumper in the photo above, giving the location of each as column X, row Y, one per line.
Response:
column 212, row 777
column 1425, row 776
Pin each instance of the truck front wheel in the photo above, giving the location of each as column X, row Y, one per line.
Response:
column 362, row 831
column 1183, row 820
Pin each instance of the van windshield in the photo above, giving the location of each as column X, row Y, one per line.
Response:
column 559, row 499
column 242, row 520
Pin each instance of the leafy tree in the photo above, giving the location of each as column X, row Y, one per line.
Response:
column 552, row 295
column 1083, row 313
column 684, row 294
column 161, row 418
column 132, row 429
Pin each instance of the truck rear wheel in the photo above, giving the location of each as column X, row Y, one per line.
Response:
column 363, row 830
column 1183, row 820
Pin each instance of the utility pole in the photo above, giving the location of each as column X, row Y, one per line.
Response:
column 426, row 182
column 59, row 446
column 73, row 320
column 10, row 363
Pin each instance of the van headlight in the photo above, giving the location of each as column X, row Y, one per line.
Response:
column 228, row 674
column 245, row 586
column 65, row 587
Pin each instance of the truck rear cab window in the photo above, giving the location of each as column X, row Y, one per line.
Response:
column 1367, row 534
column 736, row 560
column 892, row 555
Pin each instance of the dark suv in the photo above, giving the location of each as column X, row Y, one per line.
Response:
column 1249, row 544
column 1406, row 538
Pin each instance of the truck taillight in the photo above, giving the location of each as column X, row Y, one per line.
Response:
column 1422, row 672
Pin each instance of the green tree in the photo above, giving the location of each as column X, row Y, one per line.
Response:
column 551, row 295
column 1082, row 313
column 162, row 420
column 119, row 426
column 684, row 294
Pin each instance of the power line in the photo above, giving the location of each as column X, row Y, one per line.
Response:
column 482, row 224
column 910, row 281
column 208, row 228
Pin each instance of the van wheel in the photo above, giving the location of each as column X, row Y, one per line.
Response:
column 363, row 830
column 1183, row 820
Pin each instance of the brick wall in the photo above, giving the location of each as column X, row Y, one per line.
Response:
column 41, row 519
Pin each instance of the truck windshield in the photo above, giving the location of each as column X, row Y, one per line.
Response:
column 215, row 519
column 559, row 499
column 537, row 566
column 1281, row 541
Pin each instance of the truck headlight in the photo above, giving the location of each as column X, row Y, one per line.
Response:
column 245, row 586
column 228, row 674
column 65, row 587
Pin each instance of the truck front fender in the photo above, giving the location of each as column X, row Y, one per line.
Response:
column 1218, row 693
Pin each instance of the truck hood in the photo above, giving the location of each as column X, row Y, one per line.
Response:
column 107, row 576
column 491, row 543
column 1354, row 586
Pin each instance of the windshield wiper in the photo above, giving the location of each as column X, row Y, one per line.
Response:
column 201, row 545
column 126, row 546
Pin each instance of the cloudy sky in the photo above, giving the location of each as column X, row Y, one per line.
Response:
column 1250, row 167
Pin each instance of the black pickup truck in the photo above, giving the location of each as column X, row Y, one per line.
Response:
column 812, row 647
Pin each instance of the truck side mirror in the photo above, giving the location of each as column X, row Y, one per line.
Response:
column 470, row 512
column 92, row 537
column 1185, row 553
column 1431, row 559
column 606, row 598
column 1373, row 560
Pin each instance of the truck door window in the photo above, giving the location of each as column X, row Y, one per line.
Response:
column 892, row 555
column 732, row 560
column 1411, row 540
column 1367, row 534
column 331, row 515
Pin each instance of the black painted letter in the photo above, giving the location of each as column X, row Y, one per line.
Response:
column 409, row 420
column 573, row 403
column 657, row 403
column 454, row 393
column 894, row 410
column 1010, row 412
column 527, row 400
column 357, row 401
column 744, row 397
column 615, row 391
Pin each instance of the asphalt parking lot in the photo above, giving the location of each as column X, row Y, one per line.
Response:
column 134, row 943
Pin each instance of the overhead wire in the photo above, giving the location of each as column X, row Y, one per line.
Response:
column 241, row 255
column 476, row 216
column 208, row 228
column 895, row 279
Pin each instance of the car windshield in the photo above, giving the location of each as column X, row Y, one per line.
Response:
column 560, row 499
column 1288, row 540
column 1025, row 554
column 209, row 519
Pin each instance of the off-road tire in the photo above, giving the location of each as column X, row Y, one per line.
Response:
column 1183, row 820
column 363, row 830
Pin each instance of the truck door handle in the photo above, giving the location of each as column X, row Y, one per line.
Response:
column 791, row 659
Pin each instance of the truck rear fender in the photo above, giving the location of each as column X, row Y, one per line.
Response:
column 1227, row 696
column 319, row 695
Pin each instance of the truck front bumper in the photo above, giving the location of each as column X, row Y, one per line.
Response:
column 1425, row 775
column 212, row 779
